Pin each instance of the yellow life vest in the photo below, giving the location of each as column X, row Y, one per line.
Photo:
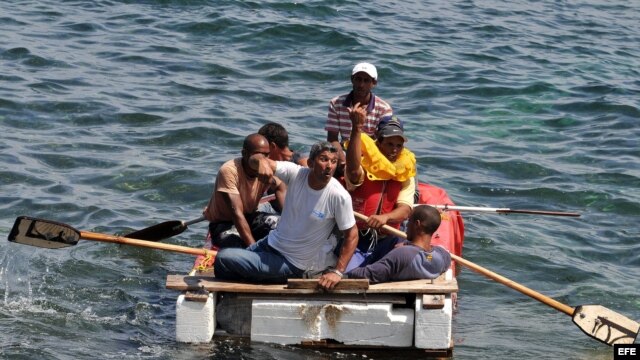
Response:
column 378, row 167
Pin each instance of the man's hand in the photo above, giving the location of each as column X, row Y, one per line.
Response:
column 357, row 115
column 329, row 280
column 377, row 221
column 265, row 170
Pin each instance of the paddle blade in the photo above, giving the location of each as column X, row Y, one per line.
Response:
column 43, row 233
column 605, row 325
column 159, row 232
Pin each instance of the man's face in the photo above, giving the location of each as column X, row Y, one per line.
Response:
column 261, row 147
column 323, row 166
column 362, row 84
column 391, row 147
column 279, row 153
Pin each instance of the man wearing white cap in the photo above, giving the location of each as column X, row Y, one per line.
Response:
column 364, row 77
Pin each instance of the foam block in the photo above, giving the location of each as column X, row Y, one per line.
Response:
column 290, row 322
column 195, row 320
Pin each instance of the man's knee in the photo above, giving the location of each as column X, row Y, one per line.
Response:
column 225, row 265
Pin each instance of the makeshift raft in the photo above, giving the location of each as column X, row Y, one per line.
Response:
column 409, row 314
column 401, row 315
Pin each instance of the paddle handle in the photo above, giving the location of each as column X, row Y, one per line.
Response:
column 503, row 210
column 144, row 243
column 490, row 274
column 194, row 221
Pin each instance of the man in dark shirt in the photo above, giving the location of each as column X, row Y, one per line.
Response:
column 416, row 259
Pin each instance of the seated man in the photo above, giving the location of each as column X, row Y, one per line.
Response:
column 315, row 203
column 385, row 197
column 417, row 259
column 278, row 139
column 236, row 195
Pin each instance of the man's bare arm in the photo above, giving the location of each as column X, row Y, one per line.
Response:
column 263, row 165
column 280, row 189
column 348, row 248
column 399, row 214
column 234, row 202
column 330, row 279
column 353, row 170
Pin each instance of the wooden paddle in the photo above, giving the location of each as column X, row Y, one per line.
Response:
column 53, row 235
column 171, row 228
column 596, row 321
column 502, row 210
column 163, row 230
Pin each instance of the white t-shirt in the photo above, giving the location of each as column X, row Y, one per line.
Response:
column 308, row 216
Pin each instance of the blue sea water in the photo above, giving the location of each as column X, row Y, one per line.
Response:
column 115, row 115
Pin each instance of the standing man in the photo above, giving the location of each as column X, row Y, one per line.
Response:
column 235, row 198
column 417, row 259
column 315, row 203
column 386, row 198
column 364, row 77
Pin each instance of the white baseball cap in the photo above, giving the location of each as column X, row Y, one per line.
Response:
column 366, row 68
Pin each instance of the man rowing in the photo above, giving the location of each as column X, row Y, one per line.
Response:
column 314, row 204
column 414, row 259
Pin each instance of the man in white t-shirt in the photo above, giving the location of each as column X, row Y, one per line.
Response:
column 314, row 204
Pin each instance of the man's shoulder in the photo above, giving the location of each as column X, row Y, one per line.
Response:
column 231, row 166
column 381, row 103
column 409, row 249
column 337, row 187
column 283, row 167
column 438, row 256
column 442, row 252
column 339, row 100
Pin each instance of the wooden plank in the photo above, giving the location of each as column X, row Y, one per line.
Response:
column 314, row 343
column 194, row 283
column 196, row 296
column 360, row 298
column 432, row 301
column 346, row 284
column 437, row 286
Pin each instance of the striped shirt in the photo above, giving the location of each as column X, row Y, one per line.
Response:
column 338, row 118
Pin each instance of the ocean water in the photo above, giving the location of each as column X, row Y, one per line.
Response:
column 115, row 115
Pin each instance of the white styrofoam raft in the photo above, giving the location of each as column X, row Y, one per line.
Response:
column 290, row 322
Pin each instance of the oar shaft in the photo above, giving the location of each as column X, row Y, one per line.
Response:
column 538, row 212
column 143, row 243
column 514, row 285
column 503, row 210
column 194, row 221
column 490, row 274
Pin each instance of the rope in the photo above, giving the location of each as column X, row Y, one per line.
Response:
column 206, row 263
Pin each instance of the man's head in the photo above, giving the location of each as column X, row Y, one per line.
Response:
column 424, row 219
column 254, row 144
column 364, row 77
column 323, row 159
column 390, row 137
column 278, row 139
